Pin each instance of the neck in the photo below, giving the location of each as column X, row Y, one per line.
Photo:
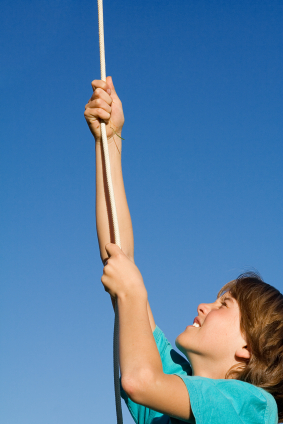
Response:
column 209, row 368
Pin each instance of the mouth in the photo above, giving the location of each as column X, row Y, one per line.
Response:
column 196, row 323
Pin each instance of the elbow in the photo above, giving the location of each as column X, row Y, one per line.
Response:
column 136, row 387
column 128, row 385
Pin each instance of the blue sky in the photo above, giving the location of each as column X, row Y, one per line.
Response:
column 201, row 86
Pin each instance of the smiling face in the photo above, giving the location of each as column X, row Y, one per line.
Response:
column 217, row 343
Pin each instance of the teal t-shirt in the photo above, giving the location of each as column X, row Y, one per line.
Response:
column 212, row 401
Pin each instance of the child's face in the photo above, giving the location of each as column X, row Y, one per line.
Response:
column 215, row 346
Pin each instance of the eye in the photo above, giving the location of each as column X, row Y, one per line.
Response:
column 223, row 301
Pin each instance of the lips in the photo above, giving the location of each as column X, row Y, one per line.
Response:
column 197, row 321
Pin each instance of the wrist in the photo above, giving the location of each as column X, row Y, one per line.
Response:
column 132, row 297
column 114, row 143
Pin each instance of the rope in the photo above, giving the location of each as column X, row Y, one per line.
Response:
column 114, row 216
column 103, row 129
column 116, row 367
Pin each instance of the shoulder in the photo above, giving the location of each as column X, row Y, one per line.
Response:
column 241, row 402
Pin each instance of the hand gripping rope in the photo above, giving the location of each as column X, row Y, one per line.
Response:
column 114, row 216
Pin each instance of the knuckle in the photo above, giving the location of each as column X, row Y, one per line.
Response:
column 102, row 113
column 94, row 83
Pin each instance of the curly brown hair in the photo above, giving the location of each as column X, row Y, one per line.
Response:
column 261, row 322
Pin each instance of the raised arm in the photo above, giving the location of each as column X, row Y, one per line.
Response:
column 105, row 105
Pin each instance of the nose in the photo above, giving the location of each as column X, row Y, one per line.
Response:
column 204, row 308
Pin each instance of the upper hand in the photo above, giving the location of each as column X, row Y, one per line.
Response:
column 104, row 105
column 121, row 277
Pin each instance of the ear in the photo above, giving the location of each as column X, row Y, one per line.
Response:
column 243, row 352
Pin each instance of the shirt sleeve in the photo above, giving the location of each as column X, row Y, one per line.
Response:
column 172, row 363
column 233, row 401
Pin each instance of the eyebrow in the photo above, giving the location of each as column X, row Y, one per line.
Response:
column 227, row 298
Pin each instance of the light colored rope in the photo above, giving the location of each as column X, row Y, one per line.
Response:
column 103, row 130
column 114, row 218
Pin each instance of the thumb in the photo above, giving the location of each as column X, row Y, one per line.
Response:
column 112, row 249
column 110, row 84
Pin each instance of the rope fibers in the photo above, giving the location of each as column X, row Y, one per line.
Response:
column 114, row 216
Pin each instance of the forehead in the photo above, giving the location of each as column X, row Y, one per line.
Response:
column 224, row 294
column 228, row 297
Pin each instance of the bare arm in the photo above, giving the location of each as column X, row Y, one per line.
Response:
column 105, row 105
column 103, row 214
column 142, row 373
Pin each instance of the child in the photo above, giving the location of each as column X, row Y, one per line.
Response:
column 234, row 347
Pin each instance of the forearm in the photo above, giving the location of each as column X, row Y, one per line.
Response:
column 101, row 107
column 103, row 212
column 139, row 356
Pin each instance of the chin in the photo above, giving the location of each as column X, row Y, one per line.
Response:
column 178, row 343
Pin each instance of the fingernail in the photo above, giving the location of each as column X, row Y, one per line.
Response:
column 108, row 91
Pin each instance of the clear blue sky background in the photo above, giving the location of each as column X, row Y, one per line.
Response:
column 201, row 85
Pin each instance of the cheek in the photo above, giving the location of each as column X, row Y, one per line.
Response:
column 220, row 332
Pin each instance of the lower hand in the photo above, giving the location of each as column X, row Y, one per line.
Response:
column 104, row 106
column 121, row 277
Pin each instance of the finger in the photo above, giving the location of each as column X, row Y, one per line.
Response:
column 100, row 84
column 106, row 270
column 92, row 114
column 104, row 281
column 106, row 287
column 112, row 249
column 101, row 94
column 99, row 104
